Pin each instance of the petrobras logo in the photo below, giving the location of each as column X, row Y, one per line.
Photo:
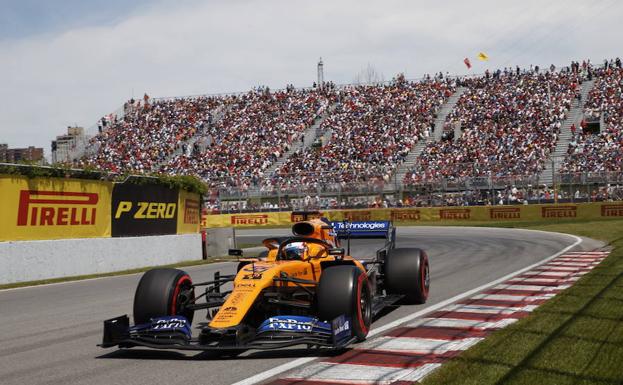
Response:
column 56, row 208
column 361, row 226
column 288, row 323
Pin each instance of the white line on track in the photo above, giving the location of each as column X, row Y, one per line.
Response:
column 302, row 361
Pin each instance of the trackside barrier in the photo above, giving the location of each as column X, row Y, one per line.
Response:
column 64, row 208
column 550, row 212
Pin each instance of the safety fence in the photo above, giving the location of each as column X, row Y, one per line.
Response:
column 432, row 215
column 63, row 208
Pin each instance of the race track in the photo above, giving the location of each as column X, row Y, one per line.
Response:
column 49, row 333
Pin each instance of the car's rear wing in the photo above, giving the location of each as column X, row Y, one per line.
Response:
column 365, row 229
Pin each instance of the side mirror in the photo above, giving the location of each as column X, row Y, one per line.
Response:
column 337, row 252
column 235, row 252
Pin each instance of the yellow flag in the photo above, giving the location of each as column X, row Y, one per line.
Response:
column 483, row 56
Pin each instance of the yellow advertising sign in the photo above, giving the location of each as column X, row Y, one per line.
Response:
column 188, row 212
column 432, row 215
column 53, row 208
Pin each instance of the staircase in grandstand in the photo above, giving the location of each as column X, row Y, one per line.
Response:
column 440, row 120
column 310, row 135
column 217, row 115
column 562, row 145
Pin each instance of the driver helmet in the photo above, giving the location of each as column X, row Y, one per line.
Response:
column 295, row 251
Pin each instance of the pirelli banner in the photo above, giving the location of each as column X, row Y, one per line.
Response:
column 43, row 208
column 58, row 208
column 433, row 215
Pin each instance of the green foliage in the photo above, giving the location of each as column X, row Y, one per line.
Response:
column 183, row 182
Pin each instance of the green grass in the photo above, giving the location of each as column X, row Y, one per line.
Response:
column 576, row 338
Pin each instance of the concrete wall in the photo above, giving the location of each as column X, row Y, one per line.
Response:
column 34, row 260
column 220, row 240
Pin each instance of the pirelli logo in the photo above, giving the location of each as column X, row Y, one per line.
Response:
column 191, row 211
column 358, row 215
column 56, row 208
column 559, row 212
column 455, row 214
column 259, row 219
column 612, row 210
column 405, row 215
column 299, row 217
column 505, row 213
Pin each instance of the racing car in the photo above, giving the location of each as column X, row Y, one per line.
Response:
column 304, row 290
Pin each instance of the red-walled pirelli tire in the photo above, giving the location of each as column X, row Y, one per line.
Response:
column 344, row 290
column 162, row 292
column 407, row 272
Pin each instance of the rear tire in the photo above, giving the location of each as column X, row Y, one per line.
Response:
column 162, row 292
column 344, row 290
column 407, row 272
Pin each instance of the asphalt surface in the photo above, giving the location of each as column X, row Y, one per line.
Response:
column 48, row 334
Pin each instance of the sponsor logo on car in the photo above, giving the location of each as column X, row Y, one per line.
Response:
column 56, row 208
column 405, row 215
column 505, row 213
column 370, row 225
column 615, row 210
column 559, row 212
column 191, row 211
column 258, row 219
column 454, row 214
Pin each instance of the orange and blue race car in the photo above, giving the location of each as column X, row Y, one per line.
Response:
column 305, row 290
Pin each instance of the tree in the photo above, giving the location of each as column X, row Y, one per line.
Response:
column 369, row 75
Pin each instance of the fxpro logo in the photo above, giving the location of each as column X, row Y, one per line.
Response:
column 288, row 324
column 191, row 211
column 56, row 208
column 146, row 210
column 259, row 219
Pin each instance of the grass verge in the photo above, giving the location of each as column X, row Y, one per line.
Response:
column 576, row 338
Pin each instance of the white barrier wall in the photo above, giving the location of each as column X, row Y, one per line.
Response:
column 35, row 260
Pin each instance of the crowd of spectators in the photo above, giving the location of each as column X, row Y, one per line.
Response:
column 256, row 129
column 509, row 123
column 373, row 128
column 603, row 151
column 149, row 132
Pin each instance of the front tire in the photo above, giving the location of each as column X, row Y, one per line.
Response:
column 407, row 272
column 344, row 290
column 163, row 292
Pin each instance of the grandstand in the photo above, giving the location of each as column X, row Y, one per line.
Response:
column 483, row 134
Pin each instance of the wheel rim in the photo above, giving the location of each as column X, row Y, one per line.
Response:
column 364, row 305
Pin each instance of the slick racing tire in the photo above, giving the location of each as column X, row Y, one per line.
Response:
column 344, row 290
column 163, row 292
column 407, row 272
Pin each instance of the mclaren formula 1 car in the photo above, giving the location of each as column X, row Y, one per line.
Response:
column 304, row 290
